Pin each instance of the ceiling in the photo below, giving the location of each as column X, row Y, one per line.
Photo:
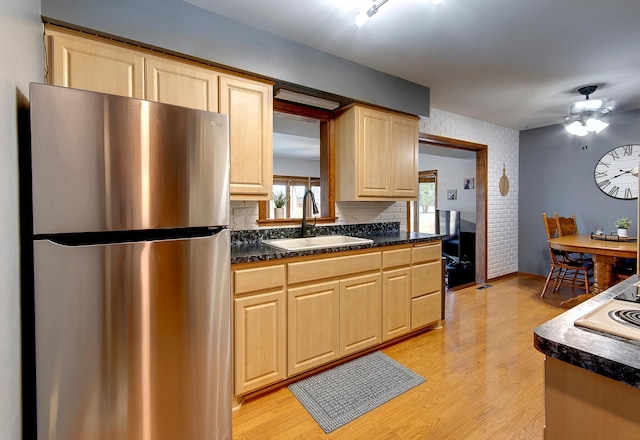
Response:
column 517, row 64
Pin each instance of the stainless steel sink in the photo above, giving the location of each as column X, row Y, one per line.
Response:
column 321, row 242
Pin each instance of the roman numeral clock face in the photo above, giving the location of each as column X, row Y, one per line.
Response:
column 614, row 172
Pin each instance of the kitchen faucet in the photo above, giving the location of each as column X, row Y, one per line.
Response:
column 314, row 210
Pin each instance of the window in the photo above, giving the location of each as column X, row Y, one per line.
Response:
column 295, row 186
column 422, row 212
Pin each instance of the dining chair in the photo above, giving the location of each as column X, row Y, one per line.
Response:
column 566, row 225
column 564, row 271
column 569, row 226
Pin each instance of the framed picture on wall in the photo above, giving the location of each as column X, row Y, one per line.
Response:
column 468, row 183
column 452, row 194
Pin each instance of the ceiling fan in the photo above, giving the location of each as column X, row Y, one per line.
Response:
column 584, row 116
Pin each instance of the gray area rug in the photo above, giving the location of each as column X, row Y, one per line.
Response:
column 337, row 396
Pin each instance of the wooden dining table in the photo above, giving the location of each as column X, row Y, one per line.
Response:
column 604, row 253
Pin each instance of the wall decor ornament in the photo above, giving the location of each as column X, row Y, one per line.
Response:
column 469, row 183
column 504, row 181
column 452, row 194
column 616, row 172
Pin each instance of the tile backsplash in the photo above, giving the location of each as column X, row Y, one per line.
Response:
column 248, row 236
column 244, row 215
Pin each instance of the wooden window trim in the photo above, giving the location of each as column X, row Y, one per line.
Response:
column 423, row 177
column 327, row 163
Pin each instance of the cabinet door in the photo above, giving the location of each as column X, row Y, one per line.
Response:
column 249, row 105
column 374, row 156
column 313, row 325
column 83, row 63
column 360, row 313
column 404, row 145
column 425, row 310
column 396, row 303
column 260, row 341
column 180, row 83
column 426, row 278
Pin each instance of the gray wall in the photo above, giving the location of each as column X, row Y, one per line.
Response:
column 184, row 28
column 21, row 49
column 556, row 175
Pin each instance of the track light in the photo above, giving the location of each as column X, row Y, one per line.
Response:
column 365, row 14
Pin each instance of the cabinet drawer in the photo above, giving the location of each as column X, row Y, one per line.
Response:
column 427, row 252
column 396, row 257
column 333, row 267
column 258, row 278
column 426, row 278
column 425, row 310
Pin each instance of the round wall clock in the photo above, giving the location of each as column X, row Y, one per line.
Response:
column 616, row 173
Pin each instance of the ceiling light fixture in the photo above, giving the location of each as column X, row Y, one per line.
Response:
column 584, row 115
column 301, row 98
column 366, row 13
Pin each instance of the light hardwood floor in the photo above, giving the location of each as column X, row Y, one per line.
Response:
column 484, row 378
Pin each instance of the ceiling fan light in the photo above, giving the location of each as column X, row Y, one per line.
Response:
column 586, row 105
column 576, row 128
column 596, row 125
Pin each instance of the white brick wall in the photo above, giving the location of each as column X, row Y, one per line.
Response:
column 502, row 222
column 502, row 212
column 244, row 215
column 349, row 213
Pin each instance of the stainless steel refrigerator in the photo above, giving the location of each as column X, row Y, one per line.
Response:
column 130, row 268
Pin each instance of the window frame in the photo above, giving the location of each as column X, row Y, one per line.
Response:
column 327, row 164
column 426, row 176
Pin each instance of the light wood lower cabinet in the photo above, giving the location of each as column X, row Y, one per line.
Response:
column 396, row 293
column 426, row 284
column 260, row 336
column 360, row 313
column 314, row 326
column 295, row 315
column 260, row 320
column 579, row 404
column 396, row 303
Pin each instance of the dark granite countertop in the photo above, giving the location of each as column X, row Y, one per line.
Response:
column 610, row 356
column 248, row 247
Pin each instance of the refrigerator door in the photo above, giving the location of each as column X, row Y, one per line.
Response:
column 110, row 163
column 133, row 340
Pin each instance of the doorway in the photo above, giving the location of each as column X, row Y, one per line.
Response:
column 481, row 194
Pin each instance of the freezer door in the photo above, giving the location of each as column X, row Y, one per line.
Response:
column 133, row 340
column 110, row 163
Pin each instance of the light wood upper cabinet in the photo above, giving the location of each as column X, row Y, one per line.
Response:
column 88, row 64
column 179, row 83
column 404, row 170
column 249, row 105
column 92, row 63
column 377, row 155
column 373, row 152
